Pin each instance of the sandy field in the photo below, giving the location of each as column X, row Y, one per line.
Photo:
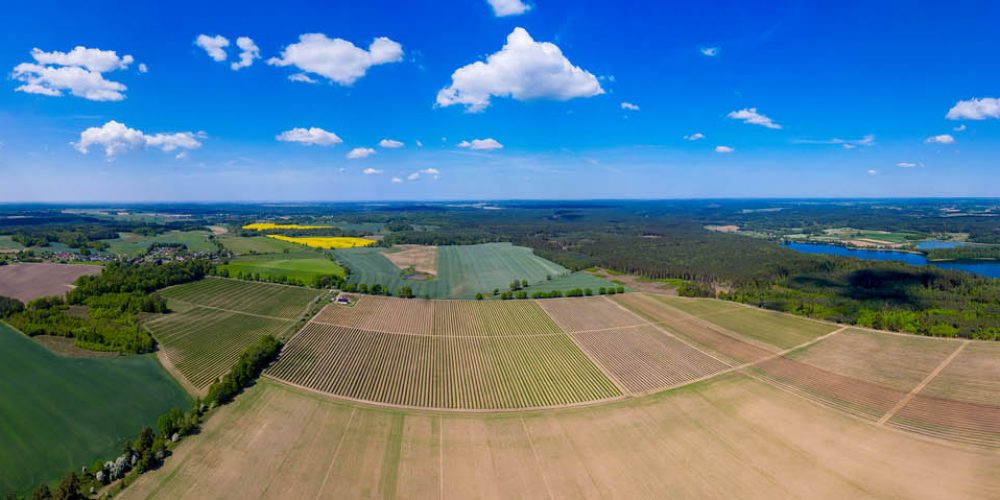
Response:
column 32, row 280
column 730, row 437
column 423, row 258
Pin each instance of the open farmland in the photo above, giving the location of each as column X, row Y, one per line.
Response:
column 265, row 299
column 302, row 267
column 219, row 318
column 324, row 241
column 32, row 280
column 202, row 344
column 463, row 271
column 422, row 258
column 589, row 313
column 733, row 436
column 507, row 318
column 59, row 413
column 132, row 245
column 382, row 314
column 256, row 245
column 486, row 372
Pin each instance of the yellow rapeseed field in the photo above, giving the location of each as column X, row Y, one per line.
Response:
column 325, row 242
column 264, row 226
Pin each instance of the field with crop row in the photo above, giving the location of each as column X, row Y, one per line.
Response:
column 464, row 318
column 204, row 343
column 442, row 372
column 973, row 376
column 382, row 314
column 703, row 333
column 263, row 299
column 588, row 313
column 949, row 419
column 645, row 359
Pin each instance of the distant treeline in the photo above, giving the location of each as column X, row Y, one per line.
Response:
column 969, row 252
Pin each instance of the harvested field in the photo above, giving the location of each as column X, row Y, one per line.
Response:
column 464, row 318
column 422, row 258
column 894, row 361
column 588, row 313
column 29, row 281
column 972, row 423
column 382, row 314
column 973, row 376
column 783, row 331
column 726, row 343
column 203, row 343
column 645, row 359
column 442, row 372
column 263, row 299
column 729, row 438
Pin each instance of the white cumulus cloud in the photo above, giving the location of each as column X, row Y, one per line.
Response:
column 709, row 51
column 751, row 116
column 117, row 138
column 523, row 69
column 414, row 176
column 724, row 149
column 390, row 144
column 695, row 136
column 481, row 144
column 629, row 106
column 371, row 171
column 214, row 46
column 143, row 68
column 503, row 8
column 358, row 153
column 337, row 59
column 868, row 140
column 872, row 172
column 313, row 136
column 248, row 52
column 79, row 71
column 397, row 180
column 906, row 164
column 301, row 77
column 960, row 128
column 975, row 109
column 940, row 139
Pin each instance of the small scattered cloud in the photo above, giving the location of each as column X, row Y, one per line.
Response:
column 313, row 136
column 181, row 156
column 487, row 144
column 336, row 59
column 629, row 106
column 709, row 51
column 504, row 8
column 868, row 140
column 358, row 153
column 79, row 71
column 940, row 139
column 248, row 53
column 522, row 70
column 371, row 171
column 975, row 109
column 872, row 172
column 397, row 180
column 143, row 68
column 419, row 144
column 960, row 128
column 390, row 144
column 697, row 136
column 751, row 116
column 414, row 176
column 724, row 149
column 431, row 171
column 907, row 164
column 116, row 138
column 214, row 46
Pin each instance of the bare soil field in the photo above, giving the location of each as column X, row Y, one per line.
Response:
column 973, row 376
column 644, row 359
column 422, row 258
column 721, row 341
column 476, row 373
column 730, row 437
column 589, row 313
column 382, row 314
column 29, row 281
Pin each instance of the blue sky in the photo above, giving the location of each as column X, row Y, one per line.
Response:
column 808, row 100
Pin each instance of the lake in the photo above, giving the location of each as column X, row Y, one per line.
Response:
column 988, row 269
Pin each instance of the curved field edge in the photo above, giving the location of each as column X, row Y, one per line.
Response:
column 57, row 413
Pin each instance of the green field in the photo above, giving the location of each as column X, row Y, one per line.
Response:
column 265, row 299
column 303, row 267
column 133, row 245
column 58, row 414
column 219, row 318
column 8, row 243
column 582, row 280
column 463, row 271
column 257, row 245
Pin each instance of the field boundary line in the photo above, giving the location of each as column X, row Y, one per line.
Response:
column 336, row 453
column 538, row 461
column 554, row 334
column 614, row 380
column 923, row 383
column 224, row 310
